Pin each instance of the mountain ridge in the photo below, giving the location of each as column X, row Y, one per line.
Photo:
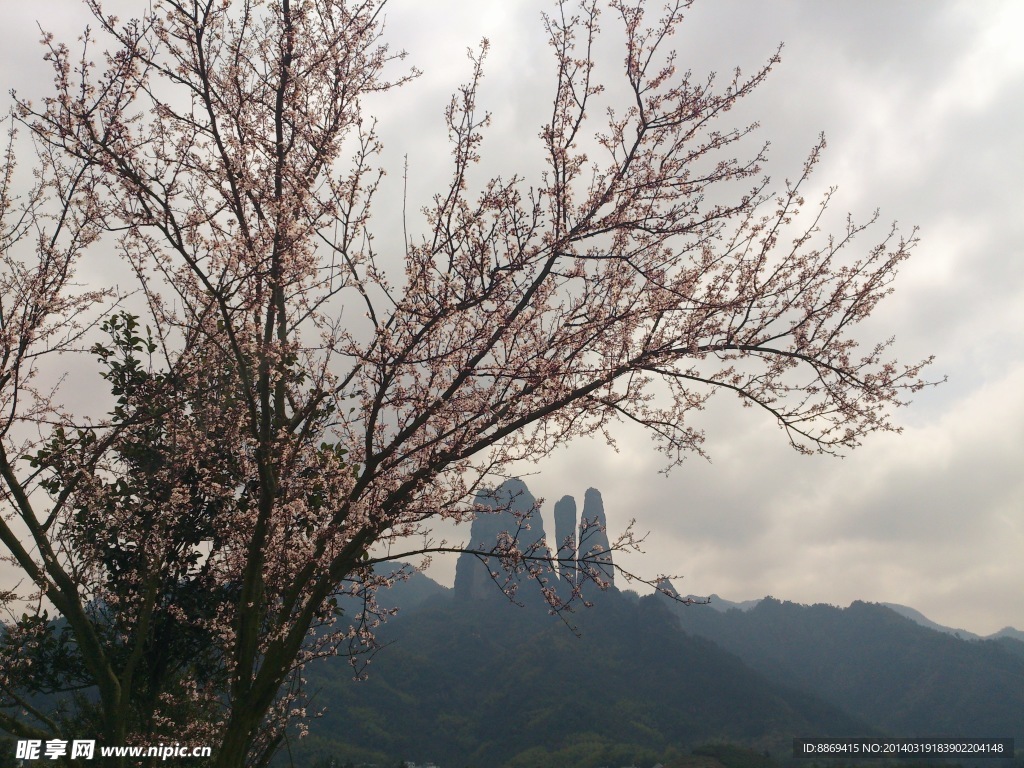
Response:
column 467, row 678
column 482, row 682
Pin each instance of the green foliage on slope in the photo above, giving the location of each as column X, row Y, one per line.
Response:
column 488, row 684
column 878, row 665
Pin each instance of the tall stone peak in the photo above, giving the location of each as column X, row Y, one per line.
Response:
column 565, row 537
column 593, row 540
column 510, row 508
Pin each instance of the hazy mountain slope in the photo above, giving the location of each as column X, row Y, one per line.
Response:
column 877, row 665
column 919, row 618
column 479, row 683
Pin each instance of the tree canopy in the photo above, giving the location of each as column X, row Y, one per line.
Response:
column 288, row 402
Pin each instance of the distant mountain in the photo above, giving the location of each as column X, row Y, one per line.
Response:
column 482, row 682
column 408, row 594
column 919, row 618
column 721, row 604
column 467, row 679
column 877, row 665
column 1008, row 632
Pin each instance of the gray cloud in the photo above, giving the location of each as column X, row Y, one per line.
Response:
column 922, row 104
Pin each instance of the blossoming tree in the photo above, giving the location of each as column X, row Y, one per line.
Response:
column 288, row 401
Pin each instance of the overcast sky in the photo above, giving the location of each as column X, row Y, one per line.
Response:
column 922, row 106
